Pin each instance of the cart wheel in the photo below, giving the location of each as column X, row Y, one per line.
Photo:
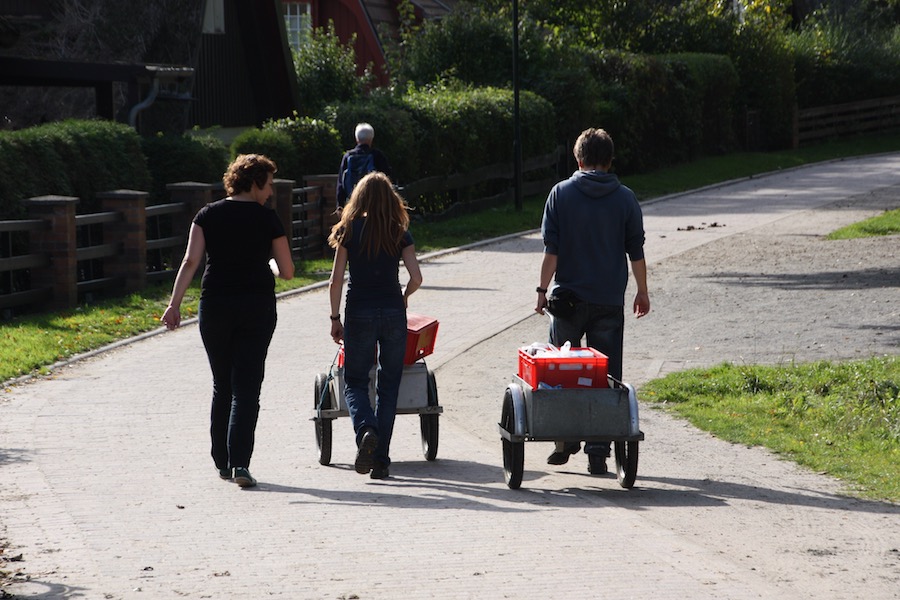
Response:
column 323, row 426
column 626, row 463
column 429, row 423
column 513, row 452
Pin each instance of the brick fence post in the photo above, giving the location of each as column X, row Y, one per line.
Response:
column 59, row 242
column 194, row 196
column 131, row 264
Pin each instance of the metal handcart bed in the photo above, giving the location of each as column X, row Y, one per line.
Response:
column 418, row 391
column 570, row 414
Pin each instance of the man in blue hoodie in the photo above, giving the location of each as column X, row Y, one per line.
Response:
column 591, row 224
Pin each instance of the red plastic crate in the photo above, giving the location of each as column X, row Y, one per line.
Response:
column 421, row 332
column 566, row 371
column 420, row 336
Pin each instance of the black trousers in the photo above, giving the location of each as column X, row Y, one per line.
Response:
column 236, row 332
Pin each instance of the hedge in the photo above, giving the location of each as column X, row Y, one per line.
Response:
column 463, row 129
column 665, row 110
column 70, row 158
column 316, row 142
column 277, row 145
column 396, row 131
column 174, row 158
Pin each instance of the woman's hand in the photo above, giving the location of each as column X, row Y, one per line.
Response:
column 172, row 317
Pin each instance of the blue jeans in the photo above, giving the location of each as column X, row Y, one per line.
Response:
column 236, row 332
column 372, row 335
column 604, row 327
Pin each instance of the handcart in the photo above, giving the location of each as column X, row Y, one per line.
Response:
column 417, row 395
column 595, row 408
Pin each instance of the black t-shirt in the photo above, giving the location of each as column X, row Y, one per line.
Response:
column 238, row 247
column 374, row 280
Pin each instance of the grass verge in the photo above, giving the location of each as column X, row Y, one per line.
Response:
column 885, row 224
column 841, row 419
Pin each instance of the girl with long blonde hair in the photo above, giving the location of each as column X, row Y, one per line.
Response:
column 372, row 237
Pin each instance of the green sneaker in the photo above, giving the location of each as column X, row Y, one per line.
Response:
column 243, row 478
column 225, row 473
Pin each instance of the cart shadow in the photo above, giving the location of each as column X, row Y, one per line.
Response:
column 677, row 492
column 439, row 485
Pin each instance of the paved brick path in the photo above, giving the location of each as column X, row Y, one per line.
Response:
column 107, row 489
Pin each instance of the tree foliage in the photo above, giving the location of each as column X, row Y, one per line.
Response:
column 326, row 71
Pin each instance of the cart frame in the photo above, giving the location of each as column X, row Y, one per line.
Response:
column 417, row 395
column 570, row 415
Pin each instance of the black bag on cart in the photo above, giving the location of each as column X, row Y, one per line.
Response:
column 562, row 302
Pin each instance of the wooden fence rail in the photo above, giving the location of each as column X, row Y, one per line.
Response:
column 503, row 172
column 57, row 258
column 840, row 120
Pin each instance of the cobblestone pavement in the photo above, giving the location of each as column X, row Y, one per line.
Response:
column 107, row 489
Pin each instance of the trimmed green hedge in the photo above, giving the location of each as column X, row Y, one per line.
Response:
column 664, row 110
column 277, row 145
column 173, row 158
column 70, row 158
column 316, row 143
column 396, row 131
column 463, row 129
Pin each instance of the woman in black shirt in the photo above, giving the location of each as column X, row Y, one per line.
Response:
column 239, row 236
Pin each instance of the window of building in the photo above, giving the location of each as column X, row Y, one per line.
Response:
column 214, row 17
column 298, row 21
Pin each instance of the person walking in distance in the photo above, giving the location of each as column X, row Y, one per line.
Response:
column 372, row 237
column 358, row 162
column 246, row 247
column 591, row 225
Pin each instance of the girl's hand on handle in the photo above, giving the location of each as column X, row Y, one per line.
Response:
column 337, row 331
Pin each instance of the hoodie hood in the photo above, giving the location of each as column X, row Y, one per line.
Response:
column 595, row 184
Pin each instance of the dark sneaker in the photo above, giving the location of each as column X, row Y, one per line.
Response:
column 365, row 455
column 225, row 473
column 243, row 478
column 597, row 465
column 561, row 456
column 380, row 471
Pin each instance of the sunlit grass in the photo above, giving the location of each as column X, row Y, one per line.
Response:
column 885, row 224
column 841, row 419
column 31, row 343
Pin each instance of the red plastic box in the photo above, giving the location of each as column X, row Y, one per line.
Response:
column 421, row 332
column 420, row 336
column 566, row 371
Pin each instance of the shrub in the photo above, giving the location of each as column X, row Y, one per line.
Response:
column 174, row 158
column 836, row 64
column 470, row 44
column 462, row 129
column 326, row 71
column 277, row 145
column 466, row 128
column 652, row 112
column 73, row 158
column 396, row 132
column 317, row 143
column 711, row 83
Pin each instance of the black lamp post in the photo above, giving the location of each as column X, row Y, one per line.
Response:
column 517, row 135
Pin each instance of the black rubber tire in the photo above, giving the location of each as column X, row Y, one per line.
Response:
column 429, row 423
column 323, row 426
column 513, row 452
column 626, row 463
